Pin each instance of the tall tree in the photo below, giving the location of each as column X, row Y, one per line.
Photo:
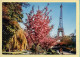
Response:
column 38, row 28
column 11, row 15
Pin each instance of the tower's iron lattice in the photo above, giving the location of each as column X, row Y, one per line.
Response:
column 60, row 28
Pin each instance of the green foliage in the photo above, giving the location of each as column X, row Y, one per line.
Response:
column 67, row 40
column 13, row 11
column 11, row 15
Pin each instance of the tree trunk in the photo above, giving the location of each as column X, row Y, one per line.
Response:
column 9, row 47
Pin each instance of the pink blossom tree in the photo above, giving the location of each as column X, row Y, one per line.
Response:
column 38, row 29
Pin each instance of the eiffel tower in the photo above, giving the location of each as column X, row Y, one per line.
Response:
column 60, row 28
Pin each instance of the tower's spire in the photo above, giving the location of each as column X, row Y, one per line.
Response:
column 61, row 5
column 61, row 20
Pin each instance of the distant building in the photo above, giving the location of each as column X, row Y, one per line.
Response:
column 74, row 38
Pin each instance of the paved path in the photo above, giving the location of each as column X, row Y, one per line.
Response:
column 65, row 53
